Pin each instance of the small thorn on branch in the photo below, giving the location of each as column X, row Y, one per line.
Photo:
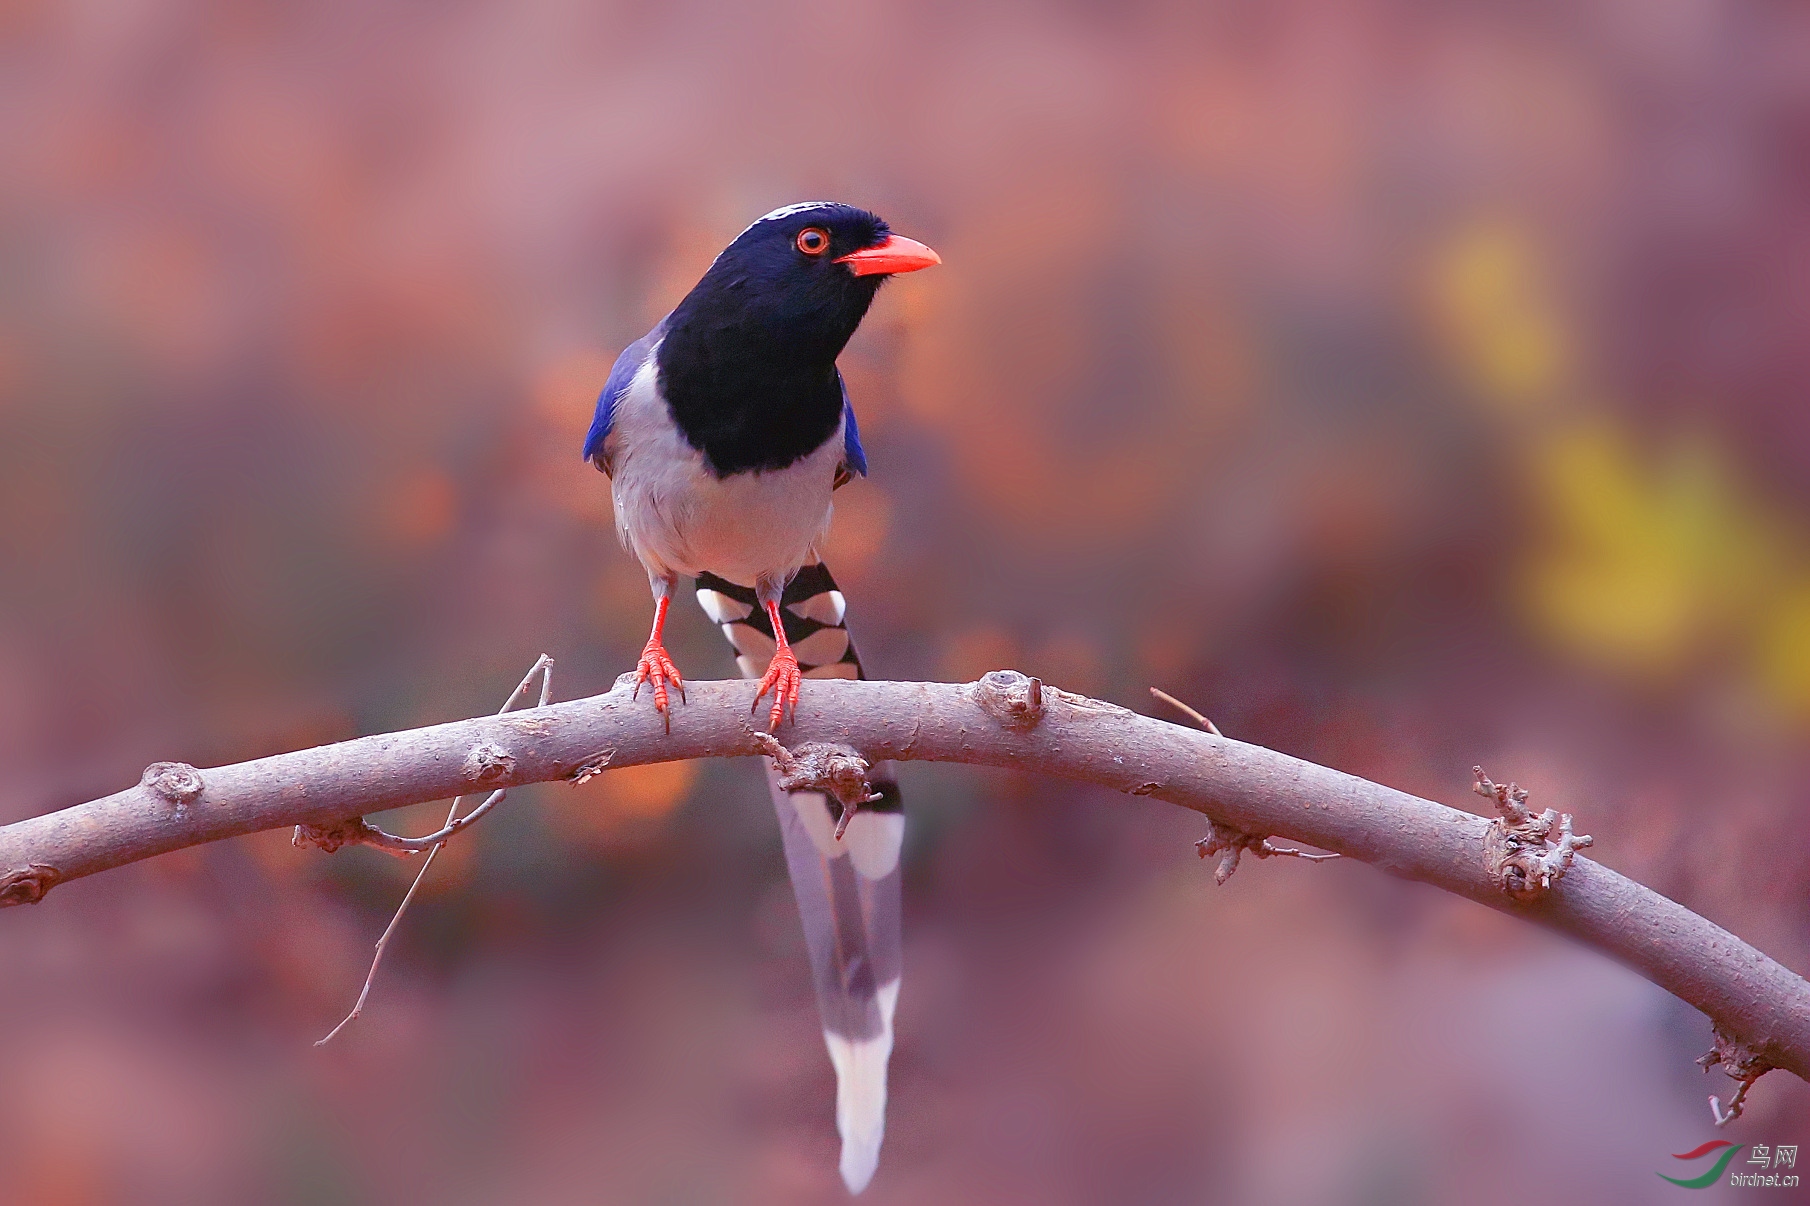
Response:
column 1230, row 844
column 837, row 771
column 1518, row 847
column 1741, row 1063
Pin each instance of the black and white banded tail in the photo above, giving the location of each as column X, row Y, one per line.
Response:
column 848, row 890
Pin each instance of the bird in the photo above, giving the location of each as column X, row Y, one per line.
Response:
column 725, row 431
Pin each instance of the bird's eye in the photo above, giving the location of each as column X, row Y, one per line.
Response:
column 813, row 240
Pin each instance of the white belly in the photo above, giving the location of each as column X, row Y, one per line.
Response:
column 679, row 518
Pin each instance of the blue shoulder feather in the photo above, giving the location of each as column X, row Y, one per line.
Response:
column 623, row 372
column 852, row 456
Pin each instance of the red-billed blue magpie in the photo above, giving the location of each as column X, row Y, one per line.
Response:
column 724, row 431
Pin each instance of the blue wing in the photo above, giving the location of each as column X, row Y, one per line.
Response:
column 852, row 456
column 623, row 372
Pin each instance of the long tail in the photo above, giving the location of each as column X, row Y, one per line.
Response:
column 849, row 890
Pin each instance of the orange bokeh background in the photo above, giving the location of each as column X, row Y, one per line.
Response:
column 1405, row 386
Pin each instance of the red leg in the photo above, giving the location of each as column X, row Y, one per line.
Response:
column 782, row 676
column 656, row 666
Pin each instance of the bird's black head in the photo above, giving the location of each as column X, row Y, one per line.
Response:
column 803, row 277
column 748, row 359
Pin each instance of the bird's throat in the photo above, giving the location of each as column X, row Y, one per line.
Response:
column 755, row 392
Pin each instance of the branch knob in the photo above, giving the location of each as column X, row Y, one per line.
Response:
column 1013, row 699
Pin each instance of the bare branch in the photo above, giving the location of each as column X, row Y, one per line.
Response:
column 1001, row 721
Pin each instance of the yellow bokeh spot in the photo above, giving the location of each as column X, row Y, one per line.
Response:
column 1491, row 303
column 1782, row 649
column 1643, row 559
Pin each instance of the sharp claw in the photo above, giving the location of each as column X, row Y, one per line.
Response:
column 782, row 678
column 657, row 667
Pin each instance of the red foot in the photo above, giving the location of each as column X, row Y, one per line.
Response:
column 782, row 678
column 656, row 666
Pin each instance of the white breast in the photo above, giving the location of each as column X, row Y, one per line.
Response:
column 679, row 518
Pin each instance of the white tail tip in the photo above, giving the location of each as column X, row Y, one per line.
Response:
column 861, row 1094
column 861, row 1156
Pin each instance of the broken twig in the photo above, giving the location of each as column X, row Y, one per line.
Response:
column 1518, row 848
column 835, row 770
column 1740, row 1064
column 1230, row 844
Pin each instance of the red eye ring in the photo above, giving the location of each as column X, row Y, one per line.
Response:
column 813, row 240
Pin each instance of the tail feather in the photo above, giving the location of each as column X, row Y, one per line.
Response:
column 861, row 1094
column 848, row 890
column 813, row 610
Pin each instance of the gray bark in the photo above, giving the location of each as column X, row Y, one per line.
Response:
column 1003, row 720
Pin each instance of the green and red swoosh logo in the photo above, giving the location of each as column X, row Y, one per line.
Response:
column 1709, row 1178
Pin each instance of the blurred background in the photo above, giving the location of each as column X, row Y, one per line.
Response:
column 1406, row 386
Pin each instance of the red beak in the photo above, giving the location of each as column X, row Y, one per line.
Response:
column 896, row 254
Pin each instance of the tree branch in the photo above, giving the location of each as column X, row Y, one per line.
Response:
column 1760, row 1009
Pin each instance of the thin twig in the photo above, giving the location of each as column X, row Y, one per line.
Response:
column 1736, row 1105
column 1179, row 706
column 391, row 843
column 542, row 667
column 1271, row 851
column 1231, row 843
